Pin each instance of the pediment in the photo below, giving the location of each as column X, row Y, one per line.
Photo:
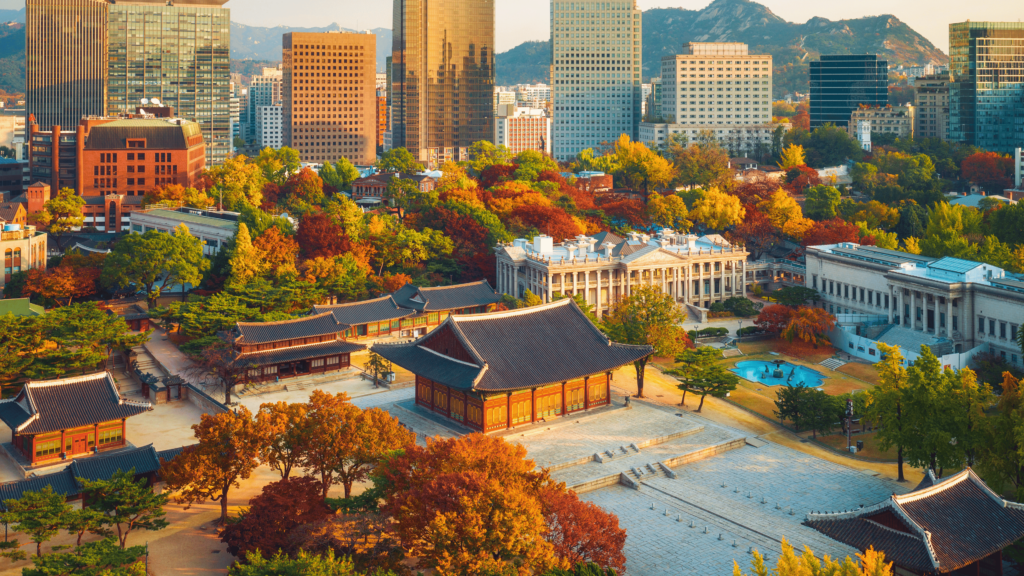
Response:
column 659, row 256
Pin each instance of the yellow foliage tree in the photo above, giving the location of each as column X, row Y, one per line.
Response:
column 781, row 208
column 504, row 206
column 792, row 157
column 717, row 210
column 668, row 211
column 912, row 246
column 638, row 167
column 797, row 227
column 246, row 260
column 872, row 563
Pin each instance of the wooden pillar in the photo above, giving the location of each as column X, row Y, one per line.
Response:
column 96, row 438
column 63, row 444
column 508, row 410
column 608, row 387
column 586, row 392
column 563, row 398
column 533, row 404
column 124, row 430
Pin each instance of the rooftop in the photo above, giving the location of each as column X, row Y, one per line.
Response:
column 159, row 134
column 190, row 218
column 62, row 404
column 446, row 297
column 356, row 313
column 319, row 324
column 609, row 246
column 20, row 307
column 947, row 269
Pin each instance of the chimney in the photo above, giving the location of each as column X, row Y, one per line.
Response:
column 570, row 250
column 607, row 248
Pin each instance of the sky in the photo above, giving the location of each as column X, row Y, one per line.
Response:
column 523, row 20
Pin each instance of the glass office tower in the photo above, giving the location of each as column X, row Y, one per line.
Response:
column 442, row 77
column 65, row 61
column 595, row 69
column 178, row 55
column 986, row 96
column 841, row 83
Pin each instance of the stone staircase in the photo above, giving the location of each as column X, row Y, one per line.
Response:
column 147, row 363
column 644, row 473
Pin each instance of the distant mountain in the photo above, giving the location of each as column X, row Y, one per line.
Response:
column 12, row 57
column 12, row 16
column 791, row 45
column 262, row 43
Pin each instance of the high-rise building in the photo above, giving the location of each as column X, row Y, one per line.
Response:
column 841, row 83
column 931, row 93
column 986, row 97
column 264, row 90
column 596, row 67
column 718, row 87
column 382, row 114
column 177, row 53
column 330, row 96
column 895, row 120
column 442, row 77
column 65, row 61
column 268, row 127
column 236, row 114
column 520, row 128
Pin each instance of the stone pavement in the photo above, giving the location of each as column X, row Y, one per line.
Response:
column 784, row 479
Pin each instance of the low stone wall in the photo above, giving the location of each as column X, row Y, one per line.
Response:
column 705, row 453
column 203, row 400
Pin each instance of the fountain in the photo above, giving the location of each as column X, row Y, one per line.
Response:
column 778, row 372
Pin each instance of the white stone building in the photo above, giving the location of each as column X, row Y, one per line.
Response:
column 697, row 271
column 269, row 127
column 949, row 301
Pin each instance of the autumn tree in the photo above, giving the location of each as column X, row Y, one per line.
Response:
column 703, row 164
column 810, row 325
column 887, row 403
column 581, row 532
column 277, row 165
column 245, row 262
column 62, row 214
column 278, row 252
column 228, row 451
column 343, row 277
column 756, row 232
column 237, row 182
column 305, row 185
column 285, row 423
column 319, row 236
column 177, row 195
column 468, row 505
column 831, row 231
column 484, row 154
column 871, row 563
column 668, row 211
column 716, row 210
column 990, row 170
column 266, row 526
column 774, row 318
column 125, row 504
column 647, row 317
column 61, row 284
column 792, row 156
column 1001, row 460
column 222, row 361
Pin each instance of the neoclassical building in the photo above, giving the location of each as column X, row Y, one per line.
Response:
column 698, row 271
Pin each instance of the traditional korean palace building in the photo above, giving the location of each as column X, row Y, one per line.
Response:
column 68, row 418
column 605, row 268
column 411, row 311
column 309, row 345
column 957, row 525
column 499, row 370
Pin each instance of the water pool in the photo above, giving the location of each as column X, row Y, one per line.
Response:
column 778, row 373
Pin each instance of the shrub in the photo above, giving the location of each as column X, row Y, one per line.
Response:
column 195, row 347
column 718, row 307
column 748, row 331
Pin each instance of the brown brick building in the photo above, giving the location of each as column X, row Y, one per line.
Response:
column 330, row 97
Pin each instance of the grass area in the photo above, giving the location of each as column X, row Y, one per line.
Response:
column 865, row 372
column 871, row 449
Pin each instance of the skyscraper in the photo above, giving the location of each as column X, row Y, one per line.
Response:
column 264, row 90
column 596, row 67
column 841, row 83
column 330, row 96
column 65, row 61
column 986, row 96
column 442, row 77
column 177, row 53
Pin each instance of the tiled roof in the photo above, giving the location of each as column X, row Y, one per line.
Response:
column 171, row 453
column 61, row 482
column 518, row 349
column 446, row 297
column 318, row 324
column 53, row 405
column 356, row 313
column 143, row 460
column 945, row 526
column 294, row 353
column 9, row 211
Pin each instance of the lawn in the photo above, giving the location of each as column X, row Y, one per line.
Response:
column 871, row 449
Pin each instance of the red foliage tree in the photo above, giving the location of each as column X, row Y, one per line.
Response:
column 631, row 211
column 549, row 220
column 76, row 277
column 496, row 173
column 774, row 318
column 582, row 532
column 801, row 178
column 305, row 185
column 271, row 194
column 801, row 121
column 755, row 191
column 318, row 235
column 990, row 170
column 757, row 232
column 833, row 231
column 273, row 514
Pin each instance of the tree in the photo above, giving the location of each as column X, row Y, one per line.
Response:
column 339, row 175
column 639, row 168
column 790, row 404
column 277, row 252
column 155, row 260
column 319, row 236
column 305, row 185
column 581, row 532
column 220, row 360
column 831, row 145
column 821, row 411
column 61, row 284
column 990, row 170
column 377, row 365
column 484, row 154
column 717, row 210
column 304, row 563
column 399, row 160
column 704, row 164
column 757, row 233
column 88, row 520
column 468, row 505
column 886, row 404
column 1001, row 461
column 781, row 208
column 872, row 563
column 273, row 514
column 62, row 214
column 700, row 374
column 101, row 558
column 647, row 317
column 669, row 211
column 177, row 195
column 792, row 156
column 402, row 193
column 822, row 202
column 832, row 231
column 237, row 182
column 288, row 435
column 228, row 451
column 795, row 296
column 341, row 277
column 331, row 421
column 810, row 325
column 127, row 504
column 39, row 515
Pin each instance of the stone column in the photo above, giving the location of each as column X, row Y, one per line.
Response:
column 549, row 287
column 586, row 287
column 575, row 282
column 913, row 310
column 597, row 299
column 562, row 280
column 899, row 306
column 949, row 317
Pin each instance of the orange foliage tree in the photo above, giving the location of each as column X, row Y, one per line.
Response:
column 549, row 220
column 228, row 450
column 278, row 251
column 288, row 436
column 833, row 231
column 75, row 277
column 582, row 532
column 774, row 318
column 810, row 325
column 318, row 235
column 273, row 514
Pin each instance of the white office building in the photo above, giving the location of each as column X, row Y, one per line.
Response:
column 503, row 97
column 520, row 128
column 269, row 127
column 596, row 68
column 716, row 86
column 265, row 90
column 533, row 94
column 956, row 307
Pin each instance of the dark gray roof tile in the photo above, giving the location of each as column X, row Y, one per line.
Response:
column 305, row 352
column 68, row 403
column 356, row 313
column 440, row 298
column 319, row 324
